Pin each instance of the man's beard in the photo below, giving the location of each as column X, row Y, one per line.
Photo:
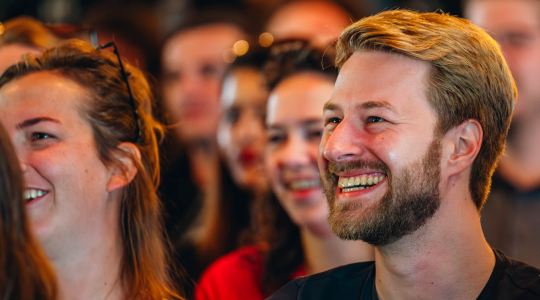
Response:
column 411, row 200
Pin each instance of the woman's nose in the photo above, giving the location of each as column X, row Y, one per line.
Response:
column 23, row 166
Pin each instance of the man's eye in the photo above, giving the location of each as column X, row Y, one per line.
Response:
column 40, row 136
column 375, row 119
column 334, row 120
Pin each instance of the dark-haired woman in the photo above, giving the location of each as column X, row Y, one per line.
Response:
column 297, row 236
column 87, row 145
column 25, row 273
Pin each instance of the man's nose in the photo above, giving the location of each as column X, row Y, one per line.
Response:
column 344, row 143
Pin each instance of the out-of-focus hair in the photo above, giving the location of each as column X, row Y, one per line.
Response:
column 276, row 229
column 469, row 78
column 28, row 31
column 290, row 57
column 145, row 267
column 25, row 273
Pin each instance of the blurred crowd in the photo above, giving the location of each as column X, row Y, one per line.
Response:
column 238, row 93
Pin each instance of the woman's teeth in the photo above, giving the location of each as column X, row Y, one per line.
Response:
column 358, row 183
column 304, row 184
column 33, row 194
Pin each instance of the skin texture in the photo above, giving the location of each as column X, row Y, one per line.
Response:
column 241, row 132
column 369, row 119
column 515, row 25
column 77, row 220
column 317, row 21
column 193, row 67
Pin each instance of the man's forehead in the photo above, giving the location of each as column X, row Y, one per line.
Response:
column 379, row 79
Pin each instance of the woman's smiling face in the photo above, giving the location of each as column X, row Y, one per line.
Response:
column 294, row 128
column 65, row 180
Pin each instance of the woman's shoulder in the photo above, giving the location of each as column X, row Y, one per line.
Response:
column 239, row 271
column 245, row 259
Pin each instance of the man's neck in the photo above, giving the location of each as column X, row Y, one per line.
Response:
column 521, row 166
column 328, row 251
column 435, row 261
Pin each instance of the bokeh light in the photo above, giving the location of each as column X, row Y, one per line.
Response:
column 2, row 28
column 229, row 56
column 241, row 47
column 266, row 39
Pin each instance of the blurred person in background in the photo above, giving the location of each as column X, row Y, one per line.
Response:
column 86, row 141
column 318, row 21
column 295, row 235
column 25, row 273
column 224, row 221
column 192, row 69
column 23, row 35
column 193, row 65
column 510, row 217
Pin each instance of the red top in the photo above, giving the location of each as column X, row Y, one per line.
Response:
column 236, row 275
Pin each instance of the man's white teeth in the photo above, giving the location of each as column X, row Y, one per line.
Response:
column 33, row 194
column 304, row 184
column 359, row 182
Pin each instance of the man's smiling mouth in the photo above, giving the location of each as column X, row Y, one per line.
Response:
column 358, row 183
column 31, row 194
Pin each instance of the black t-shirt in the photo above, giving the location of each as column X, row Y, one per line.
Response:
column 510, row 279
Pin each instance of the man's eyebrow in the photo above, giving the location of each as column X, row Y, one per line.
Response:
column 365, row 105
column 376, row 104
column 330, row 106
column 34, row 121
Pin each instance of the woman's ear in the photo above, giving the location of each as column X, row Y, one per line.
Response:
column 466, row 140
column 124, row 170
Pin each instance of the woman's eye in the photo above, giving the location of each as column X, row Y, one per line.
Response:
column 40, row 136
column 275, row 138
column 317, row 134
column 375, row 119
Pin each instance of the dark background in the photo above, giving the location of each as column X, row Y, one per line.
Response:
column 75, row 11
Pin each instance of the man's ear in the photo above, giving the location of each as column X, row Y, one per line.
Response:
column 465, row 141
column 124, row 170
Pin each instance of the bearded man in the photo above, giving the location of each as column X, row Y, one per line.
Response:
column 413, row 131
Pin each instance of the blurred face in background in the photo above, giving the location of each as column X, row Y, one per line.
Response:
column 193, row 66
column 294, row 127
column 241, row 133
column 515, row 25
column 320, row 22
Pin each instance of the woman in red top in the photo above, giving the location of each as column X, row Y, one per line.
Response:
column 297, row 237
